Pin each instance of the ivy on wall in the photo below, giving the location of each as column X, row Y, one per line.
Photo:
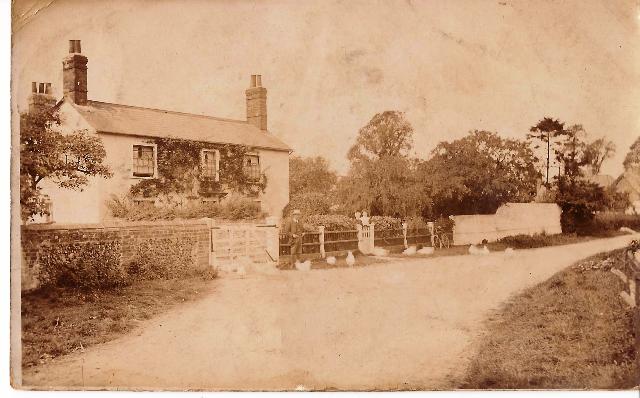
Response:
column 180, row 171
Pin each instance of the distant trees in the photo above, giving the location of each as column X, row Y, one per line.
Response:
column 312, row 174
column 478, row 173
column 312, row 185
column 46, row 154
column 475, row 174
column 632, row 159
column 545, row 131
column 597, row 152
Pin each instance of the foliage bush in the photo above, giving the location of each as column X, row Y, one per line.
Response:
column 83, row 265
column 386, row 223
column 309, row 203
column 162, row 258
column 613, row 221
column 233, row 208
column 331, row 222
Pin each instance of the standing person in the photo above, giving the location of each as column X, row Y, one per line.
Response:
column 294, row 230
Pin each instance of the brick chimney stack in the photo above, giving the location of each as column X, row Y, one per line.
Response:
column 257, row 103
column 74, row 74
column 40, row 98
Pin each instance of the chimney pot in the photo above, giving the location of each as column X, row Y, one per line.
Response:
column 34, row 87
column 257, row 103
column 74, row 46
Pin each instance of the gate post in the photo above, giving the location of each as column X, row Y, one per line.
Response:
column 372, row 237
column 430, row 225
column 404, row 234
column 321, row 238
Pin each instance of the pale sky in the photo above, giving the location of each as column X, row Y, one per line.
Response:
column 329, row 66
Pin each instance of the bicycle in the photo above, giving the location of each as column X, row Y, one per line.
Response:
column 441, row 239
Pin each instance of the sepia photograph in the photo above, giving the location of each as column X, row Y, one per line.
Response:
column 327, row 195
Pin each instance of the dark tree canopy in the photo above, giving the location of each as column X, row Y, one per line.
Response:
column 545, row 131
column 312, row 174
column 387, row 134
column 478, row 173
column 386, row 186
column 46, row 154
column 632, row 159
column 382, row 179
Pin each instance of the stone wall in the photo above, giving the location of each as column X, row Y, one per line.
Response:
column 129, row 234
column 510, row 219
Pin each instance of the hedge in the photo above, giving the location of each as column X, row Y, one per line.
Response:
column 83, row 265
column 235, row 208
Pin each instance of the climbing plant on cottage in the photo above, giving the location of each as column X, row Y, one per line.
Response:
column 67, row 160
column 184, row 171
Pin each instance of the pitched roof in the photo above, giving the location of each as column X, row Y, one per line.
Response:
column 132, row 120
column 604, row 180
column 632, row 179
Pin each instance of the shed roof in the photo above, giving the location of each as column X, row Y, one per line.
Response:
column 133, row 120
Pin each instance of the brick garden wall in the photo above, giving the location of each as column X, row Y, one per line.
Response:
column 128, row 234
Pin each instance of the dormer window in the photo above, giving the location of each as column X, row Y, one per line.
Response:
column 144, row 161
column 210, row 164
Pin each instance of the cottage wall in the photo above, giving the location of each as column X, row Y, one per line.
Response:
column 90, row 204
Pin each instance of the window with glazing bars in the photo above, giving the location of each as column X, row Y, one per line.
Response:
column 209, row 164
column 143, row 161
column 252, row 167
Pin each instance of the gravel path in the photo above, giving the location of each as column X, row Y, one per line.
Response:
column 407, row 324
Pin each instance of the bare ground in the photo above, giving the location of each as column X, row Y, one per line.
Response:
column 407, row 324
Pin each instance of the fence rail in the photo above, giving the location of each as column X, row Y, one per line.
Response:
column 336, row 241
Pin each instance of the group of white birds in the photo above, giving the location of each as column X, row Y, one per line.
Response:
column 478, row 250
column 244, row 262
column 331, row 260
column 411, row 250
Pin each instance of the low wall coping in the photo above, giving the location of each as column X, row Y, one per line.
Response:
column 114, row 224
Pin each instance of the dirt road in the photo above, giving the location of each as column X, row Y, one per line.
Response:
column 401, row 325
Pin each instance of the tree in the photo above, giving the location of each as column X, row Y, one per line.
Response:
column 388, row 134
column 546, row 130
column 388, row 186
column 597, row 152
column 478, row 173
column 579, row 200
column 311, row 174
column 570, row 151
column 46, row 154
column 632, row 160
column 383, row 179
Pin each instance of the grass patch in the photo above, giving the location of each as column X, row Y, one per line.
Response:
column 571, row 332
column 58, row 321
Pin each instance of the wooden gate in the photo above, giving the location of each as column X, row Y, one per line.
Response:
column 230, row 242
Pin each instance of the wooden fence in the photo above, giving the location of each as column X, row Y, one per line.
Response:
column 318, row 244
column 631, row 276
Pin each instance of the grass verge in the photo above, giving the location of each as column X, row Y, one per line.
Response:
column 571, row 332
column 59, row 321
